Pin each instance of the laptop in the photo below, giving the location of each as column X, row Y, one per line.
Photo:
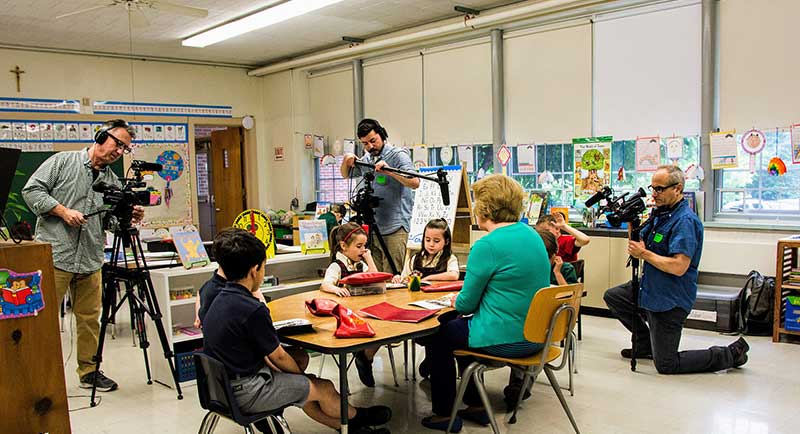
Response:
column 8, row 167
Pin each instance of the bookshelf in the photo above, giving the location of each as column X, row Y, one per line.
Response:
column 787, row 259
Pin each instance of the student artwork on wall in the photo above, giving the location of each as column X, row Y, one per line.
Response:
column 349, row 146
column 648, row 154
column 465, row 154
column 795, row 135
column 724, row 152
column 21, row 294
column 419, row 156
column 592, row 165
column 752, row 143
column 319, row 146
column 526, row 158
column 675, row 148
column 446, row 154
column 172, row 183
column 308, row 141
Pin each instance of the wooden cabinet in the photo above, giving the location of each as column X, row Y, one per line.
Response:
column 604, row 258
column 786, row 260
column 296, row 273
column 33, row 397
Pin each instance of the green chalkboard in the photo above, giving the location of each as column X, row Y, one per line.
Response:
column 17, row 210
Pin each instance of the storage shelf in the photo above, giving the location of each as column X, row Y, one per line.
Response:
column 787, row 257
column 792, row 287
column 789, row 332
column 183, row 338
column 182, row 301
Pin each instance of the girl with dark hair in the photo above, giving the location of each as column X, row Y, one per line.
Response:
column 435, row 261
column 349, row 254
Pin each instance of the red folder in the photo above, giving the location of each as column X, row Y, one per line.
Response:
column 389, row 312
column 443, row 286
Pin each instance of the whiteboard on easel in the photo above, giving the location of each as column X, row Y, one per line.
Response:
column 428, row 202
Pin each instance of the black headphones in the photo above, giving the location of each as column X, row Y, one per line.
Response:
column 101, row 135
column 367, row 125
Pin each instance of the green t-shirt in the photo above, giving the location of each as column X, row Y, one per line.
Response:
column 568, row 271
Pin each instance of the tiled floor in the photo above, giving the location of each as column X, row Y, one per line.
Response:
column 761, row 398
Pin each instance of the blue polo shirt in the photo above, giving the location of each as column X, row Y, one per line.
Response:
column 208, row 292
column 238, row 331
column 669, row 233
column 394, row 211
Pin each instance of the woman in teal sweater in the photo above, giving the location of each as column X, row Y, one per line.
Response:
column 505, row 269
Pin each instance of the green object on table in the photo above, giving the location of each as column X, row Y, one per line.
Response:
column 413, row 283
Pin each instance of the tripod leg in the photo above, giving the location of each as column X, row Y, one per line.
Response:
column 141, row 332
column 373, row 229
column 104, row 320
column 155, row 314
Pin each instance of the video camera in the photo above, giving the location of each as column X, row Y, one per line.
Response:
column 620, row 209
column 121, row 200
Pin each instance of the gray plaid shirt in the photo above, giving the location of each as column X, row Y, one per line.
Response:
column 66, row 179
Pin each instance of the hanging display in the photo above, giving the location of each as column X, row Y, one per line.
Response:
column 753, row 142
column 592, row 165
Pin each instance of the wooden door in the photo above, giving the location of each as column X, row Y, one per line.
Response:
column 226, row 167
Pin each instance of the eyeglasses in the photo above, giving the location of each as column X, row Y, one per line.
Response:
column 658, row 189
column 126, row 149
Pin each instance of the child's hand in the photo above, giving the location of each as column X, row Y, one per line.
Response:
column 557, row 263
column 367, row 254
column 560, row 223
column 452, row 298
column 197, row 322
column 341, row 291
column 397, row 279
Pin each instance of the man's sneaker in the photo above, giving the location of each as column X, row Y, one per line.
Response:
column 104, row 384
column 739, row 350
column 626, row 353
column 364, row 368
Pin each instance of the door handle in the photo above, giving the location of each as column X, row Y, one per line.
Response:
column 217, row 209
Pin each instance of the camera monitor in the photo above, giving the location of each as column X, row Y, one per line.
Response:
column 8, row 167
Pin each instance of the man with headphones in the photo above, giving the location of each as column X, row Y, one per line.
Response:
column 60, row 194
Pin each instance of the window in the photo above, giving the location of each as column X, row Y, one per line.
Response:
column 558, row 160
column 623, row 153
column 331, row 187
column 742, row 192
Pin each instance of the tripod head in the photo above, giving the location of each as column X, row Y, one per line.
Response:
column 363, row 203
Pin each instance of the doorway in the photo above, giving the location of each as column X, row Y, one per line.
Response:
column 220, row 177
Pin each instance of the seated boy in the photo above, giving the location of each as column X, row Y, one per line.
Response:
column 238, row 331
column 569, row 244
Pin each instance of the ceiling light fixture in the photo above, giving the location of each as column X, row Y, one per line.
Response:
column 258, row 20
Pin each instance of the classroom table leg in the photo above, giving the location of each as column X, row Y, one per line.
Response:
column 343, row 391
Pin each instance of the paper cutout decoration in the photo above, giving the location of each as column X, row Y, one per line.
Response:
column 794, row 133
column 621, row 174
column 695, row 172
column 446, row 154
column 753, row 142
column 675, row 149
column 258, row 224
column 173, row 169
column 776, row 167
column 546, row 177
column 22, row 294
column 327, row 160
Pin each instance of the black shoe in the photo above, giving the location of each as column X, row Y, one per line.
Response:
column 626, row 353
column 104, row 384
column 370, row 416
column 424, row 369
column 364, row 368
column 739, row 350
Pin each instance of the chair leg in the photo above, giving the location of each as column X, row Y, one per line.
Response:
column 462, row 387
column 321, row 365
column 405, row 358
column 271, row 424
column 249, row 429
column 574, row 348
column 214, row 424
column 413, row 361
column 580, row 329
column 391, row 361
column 477, row 377
column 282, row 422
column 554, row 384
column 207, row 425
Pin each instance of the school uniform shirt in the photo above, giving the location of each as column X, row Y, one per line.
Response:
column 238, row 331
column 208, row 292
column 452, row 263
column 567, row 248
column 567, row 271
column 334, row 272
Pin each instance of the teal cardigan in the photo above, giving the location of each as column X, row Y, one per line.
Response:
column 505, row 269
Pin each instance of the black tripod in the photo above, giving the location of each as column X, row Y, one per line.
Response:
column 140, row 296
column 365, row 215
column 634, row 264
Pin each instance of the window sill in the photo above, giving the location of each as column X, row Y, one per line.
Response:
column 762, row 225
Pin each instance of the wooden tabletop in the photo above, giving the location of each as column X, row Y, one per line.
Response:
column 322, row 338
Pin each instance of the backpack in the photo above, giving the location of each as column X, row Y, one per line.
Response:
column 756, row 309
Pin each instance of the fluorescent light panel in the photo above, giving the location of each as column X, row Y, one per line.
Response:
column 259, row 20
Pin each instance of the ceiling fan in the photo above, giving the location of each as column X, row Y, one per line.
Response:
column 136, row 9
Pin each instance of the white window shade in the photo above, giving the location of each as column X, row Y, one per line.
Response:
column 548, row 85
column 458, row 95
column 393, row 96
column 648, row 73
column 758, row 69
column 331, row 105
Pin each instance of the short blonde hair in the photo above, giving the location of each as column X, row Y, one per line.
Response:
column 498, row 198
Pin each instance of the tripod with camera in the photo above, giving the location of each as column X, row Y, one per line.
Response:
column 624, row 209
column 363, row 203
column 139, row 292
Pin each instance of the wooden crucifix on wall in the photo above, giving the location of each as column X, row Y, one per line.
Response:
column 17, row 71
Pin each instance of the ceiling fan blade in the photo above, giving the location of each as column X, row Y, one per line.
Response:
column 179, row 9
column 138, row 18
column 84, row 10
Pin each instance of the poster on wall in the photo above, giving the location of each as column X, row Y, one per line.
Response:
column 5, row 131
column 795, row 133
column 319, row 146
column 592, row 165
column 279, row 155
column 724, row 150
column 349, row 146
column 308, row 141
column 526, row 158
column 675, row 148
column 419, row 156
column 648, row 154
column 172, row 184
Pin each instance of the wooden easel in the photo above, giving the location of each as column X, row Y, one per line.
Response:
column 464, row 217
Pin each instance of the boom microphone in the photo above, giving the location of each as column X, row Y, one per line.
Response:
column 145, row 166
column 597, row 197
column 444, row 186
